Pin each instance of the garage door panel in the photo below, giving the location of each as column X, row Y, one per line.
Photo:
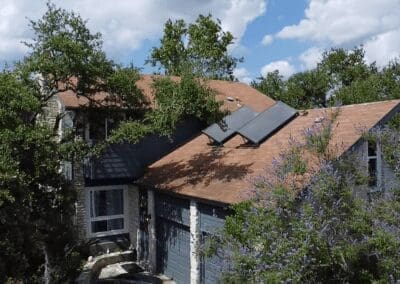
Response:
column 173, row 237
column 174, row 209
column 212, row 219
column 173, row 251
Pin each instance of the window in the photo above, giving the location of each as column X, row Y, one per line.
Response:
column 373, row 164
column 99, row 128
column 107, row 211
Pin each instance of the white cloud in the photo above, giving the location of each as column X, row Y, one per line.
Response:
column 125, row 24
column 310, row 58
column 267, row 40
column 242, row 74
column 348, row 23
column 383, row 47
column 283, row 66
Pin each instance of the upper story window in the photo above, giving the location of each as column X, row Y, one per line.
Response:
column 374, row 163
column 100, row 127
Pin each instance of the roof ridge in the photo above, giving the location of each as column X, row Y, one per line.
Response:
column 352, row 105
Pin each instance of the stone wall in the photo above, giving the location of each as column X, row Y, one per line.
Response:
column 50, row 112
column 80, row 208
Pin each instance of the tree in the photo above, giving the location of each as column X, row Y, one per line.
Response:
column 341, row 77
column 302, row 90
column 37, row 239
column 273, row 85
column 175, row 101
column 65, row 55
column 319, row 233
column 344, row 67
column 202, row 45
column 36, row 203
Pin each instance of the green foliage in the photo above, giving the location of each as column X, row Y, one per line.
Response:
column 319, row 135
column 344, row 67
column 273, row 85
column 65, row 55
column 202, row 45
column 324, row 233
column 175, row 101
column 341, row 77
column 35, row 202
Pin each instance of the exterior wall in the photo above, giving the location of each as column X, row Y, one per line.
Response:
column 80, row 205
column 50, row 111
column 128, row 161
column 133, row 214
column 175, row 216
column 389, row 179
column 386, row 176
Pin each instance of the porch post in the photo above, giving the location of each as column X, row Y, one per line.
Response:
column 194, row 243
column 152, row 231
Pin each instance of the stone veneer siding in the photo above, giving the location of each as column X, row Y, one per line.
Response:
column 80, row 208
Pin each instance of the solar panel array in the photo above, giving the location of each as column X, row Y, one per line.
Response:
column 253, row 126
column 230, row 124
column 267, row 122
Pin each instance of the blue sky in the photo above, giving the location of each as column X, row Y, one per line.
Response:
column 288, row 35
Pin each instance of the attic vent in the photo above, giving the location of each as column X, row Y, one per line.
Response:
column 220, row 132
column 267, row 122
column 319, row 119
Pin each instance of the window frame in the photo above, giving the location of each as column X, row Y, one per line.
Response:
column 107, row 132
column 90, row 219
column 378, row 167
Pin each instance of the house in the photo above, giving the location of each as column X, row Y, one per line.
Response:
column 162, row 197
column 193, row 185
column 111, row 208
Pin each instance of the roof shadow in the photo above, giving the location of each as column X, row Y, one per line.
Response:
column 201, row 168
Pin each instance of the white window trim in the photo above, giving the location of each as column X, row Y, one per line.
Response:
column 378, row 158
column 89, row 219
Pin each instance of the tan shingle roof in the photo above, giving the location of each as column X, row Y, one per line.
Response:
column 245, row 94
column 221, row 174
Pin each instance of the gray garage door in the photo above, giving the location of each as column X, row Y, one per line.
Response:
column 173, row 238
column 212, row 219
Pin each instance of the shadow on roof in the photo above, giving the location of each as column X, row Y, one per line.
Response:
column 202, row 168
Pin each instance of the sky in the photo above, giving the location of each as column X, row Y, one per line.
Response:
column 287, row 35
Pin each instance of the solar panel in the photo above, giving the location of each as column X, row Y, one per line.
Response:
column 267, row 122
column 220, row 132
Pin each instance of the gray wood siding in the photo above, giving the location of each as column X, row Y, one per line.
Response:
column 173, row 237
column 128, row 161
column 173, row 209
column 173, row 253
column 212, row 219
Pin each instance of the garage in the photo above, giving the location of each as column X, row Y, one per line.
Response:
column 212, row 219
column 173, row 237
